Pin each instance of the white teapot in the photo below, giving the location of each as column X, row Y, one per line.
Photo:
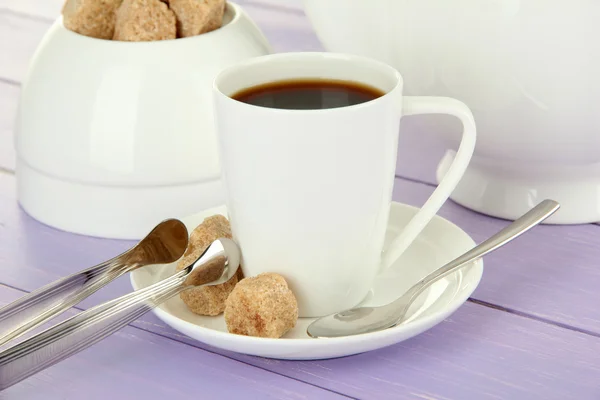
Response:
column 529, row 71
column 114, row 136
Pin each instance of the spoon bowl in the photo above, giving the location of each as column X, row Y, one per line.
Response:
column 165, row 244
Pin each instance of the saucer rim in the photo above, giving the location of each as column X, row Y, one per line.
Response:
column 418, row 325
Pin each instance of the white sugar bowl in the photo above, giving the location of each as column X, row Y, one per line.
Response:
column 114, row 136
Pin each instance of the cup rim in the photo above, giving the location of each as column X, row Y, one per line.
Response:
column 235, row 9
column 329, row 55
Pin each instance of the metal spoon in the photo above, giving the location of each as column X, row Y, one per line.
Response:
column 216, row 265
column 370, row 319
column 164, row 244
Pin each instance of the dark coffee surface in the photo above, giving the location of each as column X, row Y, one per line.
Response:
column 308, row 94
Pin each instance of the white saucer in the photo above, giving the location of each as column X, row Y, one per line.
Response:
column 440, row 242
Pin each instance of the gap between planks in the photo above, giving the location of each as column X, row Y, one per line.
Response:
column 533, row 317
column 206, row 350
column 25, row 15
column 10, row 82
column 6, row 171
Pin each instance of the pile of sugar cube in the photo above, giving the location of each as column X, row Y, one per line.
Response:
column 142, row 20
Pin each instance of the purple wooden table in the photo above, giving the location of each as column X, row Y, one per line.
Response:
column 531, row 330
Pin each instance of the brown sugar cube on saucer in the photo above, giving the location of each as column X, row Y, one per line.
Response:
column 262, row 306
column 144, row 21
column 197, row 16
column 207, row 300
column 93, row 18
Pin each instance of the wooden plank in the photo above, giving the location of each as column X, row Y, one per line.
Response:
column 133, row 363
column 477, row 353
column 549, row 273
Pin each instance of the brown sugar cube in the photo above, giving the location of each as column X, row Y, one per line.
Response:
column 94, row 18
column 207, row 300
column 144, row 21
column 261, row 306
column 197, row 16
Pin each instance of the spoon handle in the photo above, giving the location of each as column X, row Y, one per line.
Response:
column 83, row 330
column 532, row 218
column 39, row 306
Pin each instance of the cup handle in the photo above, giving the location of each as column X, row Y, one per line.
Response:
column 415, row 105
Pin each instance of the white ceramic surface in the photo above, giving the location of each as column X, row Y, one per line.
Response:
column 309, row 191
column 527, row 69
column 439, row 242
column 104, row 124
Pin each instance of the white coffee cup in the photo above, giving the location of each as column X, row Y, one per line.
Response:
column 308, row 192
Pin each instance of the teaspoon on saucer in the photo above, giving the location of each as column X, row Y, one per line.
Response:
column 370, row 319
